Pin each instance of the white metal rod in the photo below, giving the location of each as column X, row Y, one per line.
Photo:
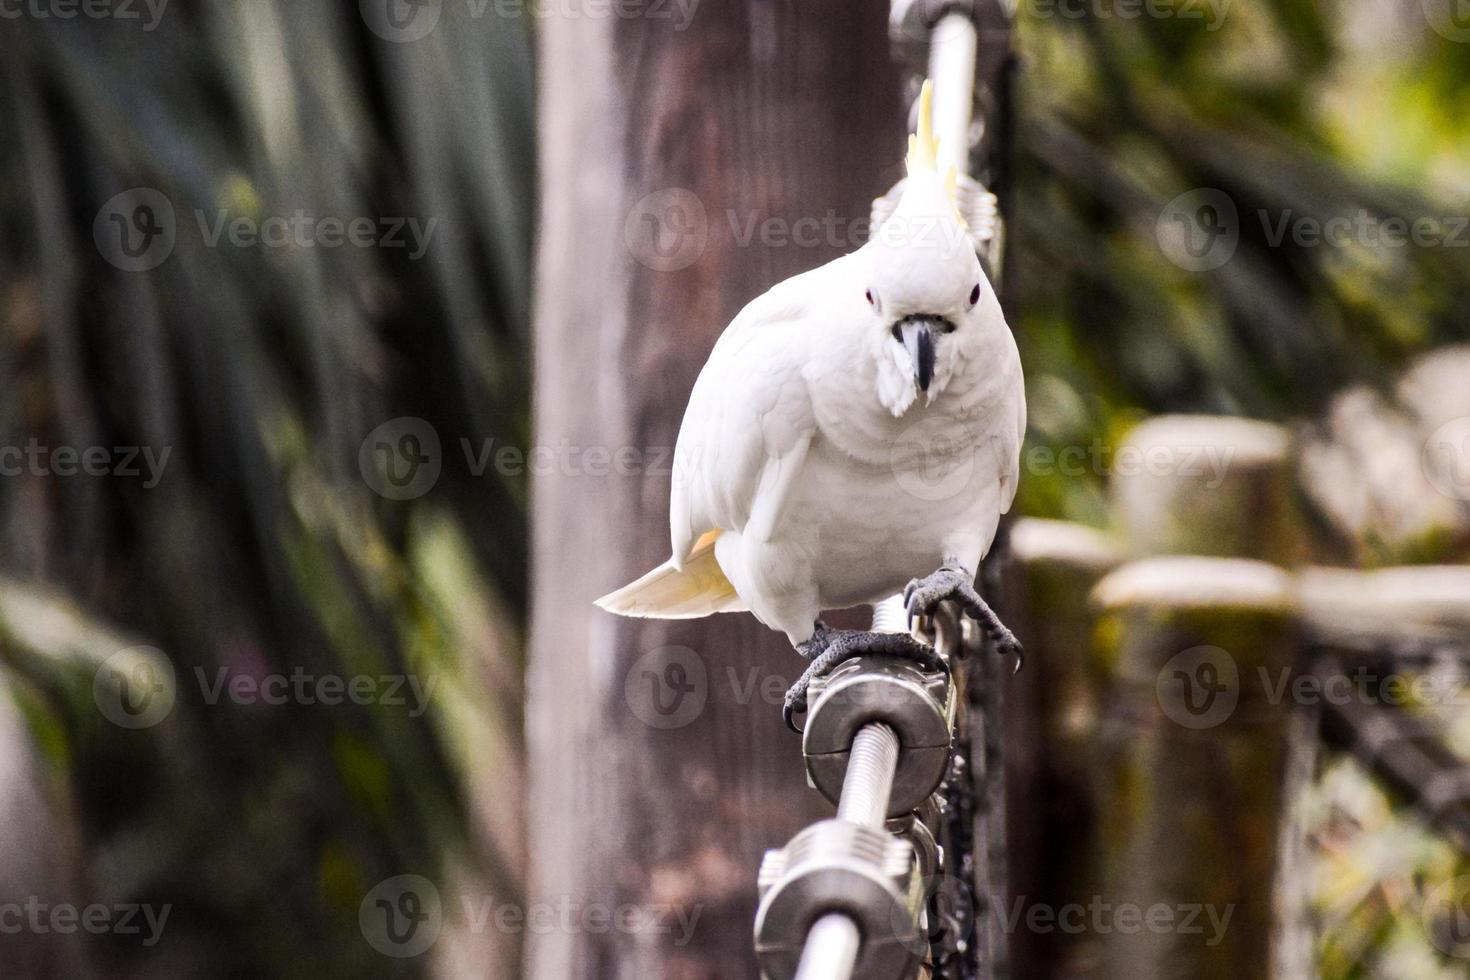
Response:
column 831, row 949
column 952, row 53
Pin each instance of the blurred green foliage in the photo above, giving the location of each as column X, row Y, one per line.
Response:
column 1297, row 111
column 263, row 549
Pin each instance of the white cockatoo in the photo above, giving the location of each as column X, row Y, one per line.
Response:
column 855, row 428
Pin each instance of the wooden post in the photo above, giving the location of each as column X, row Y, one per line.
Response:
column 1052, row 713
column 1192, row 745
column 676, row 165
column 1194, row 749
column 1207, row 485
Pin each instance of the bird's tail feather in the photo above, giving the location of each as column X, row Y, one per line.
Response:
column 699, row 589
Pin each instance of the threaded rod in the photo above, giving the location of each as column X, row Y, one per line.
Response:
column 890, row 616
column 869, row 779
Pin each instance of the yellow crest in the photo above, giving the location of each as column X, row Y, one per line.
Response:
column 923, row 156
column 923, row 147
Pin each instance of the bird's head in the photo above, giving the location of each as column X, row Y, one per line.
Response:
column 924, row 283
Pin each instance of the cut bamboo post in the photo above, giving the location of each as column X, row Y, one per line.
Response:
column 1207, row 485
column 1193, row 751
column 1051, row 723
column 1195, row 638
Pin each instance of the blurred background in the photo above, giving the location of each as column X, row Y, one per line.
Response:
column 341, row 350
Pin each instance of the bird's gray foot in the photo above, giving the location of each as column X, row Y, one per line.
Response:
column 923, row 596
column 828, row 647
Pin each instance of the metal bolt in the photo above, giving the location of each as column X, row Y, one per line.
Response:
column 869, row 779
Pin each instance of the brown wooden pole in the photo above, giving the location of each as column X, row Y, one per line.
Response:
column 676, row 165
column 1052, row 710
column 1191, row 747
column 1192, row 755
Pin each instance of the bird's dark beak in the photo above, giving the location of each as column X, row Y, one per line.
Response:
column 916, row 333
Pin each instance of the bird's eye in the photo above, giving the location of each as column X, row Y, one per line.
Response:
column 869, row 295
column 975, row 294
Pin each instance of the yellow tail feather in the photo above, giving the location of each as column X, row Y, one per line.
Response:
column 666, row 592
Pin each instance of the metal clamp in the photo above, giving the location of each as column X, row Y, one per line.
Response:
column 917, row 19
column 917, row 704
column 840, row 867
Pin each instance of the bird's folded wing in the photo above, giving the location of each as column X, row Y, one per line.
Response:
column 1008, row 447
column 747, row 427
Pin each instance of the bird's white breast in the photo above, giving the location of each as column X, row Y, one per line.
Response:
column 884, row 499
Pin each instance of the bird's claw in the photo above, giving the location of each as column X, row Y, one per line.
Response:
column 827, row 648
column 952, row 582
